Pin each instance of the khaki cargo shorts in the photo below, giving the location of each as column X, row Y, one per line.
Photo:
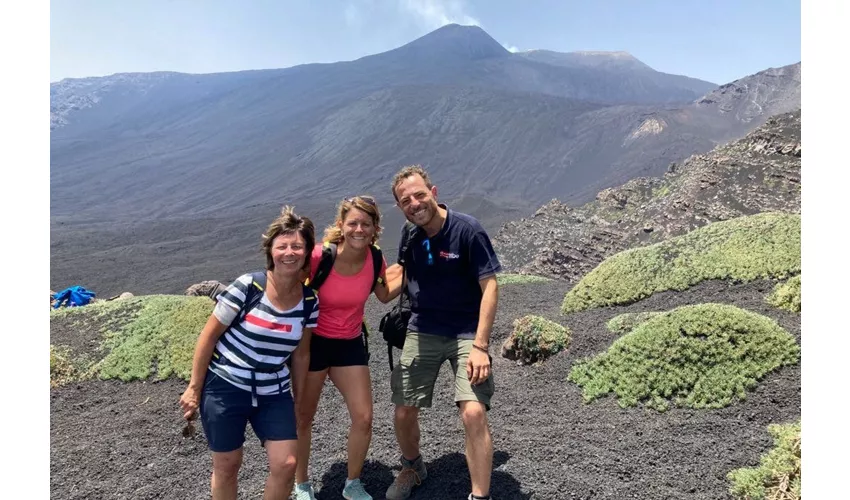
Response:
column 416, row 372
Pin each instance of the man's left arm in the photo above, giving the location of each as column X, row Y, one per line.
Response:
column 486, row 265
column 478, row 364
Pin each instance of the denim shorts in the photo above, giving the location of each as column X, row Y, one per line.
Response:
column 226, row 410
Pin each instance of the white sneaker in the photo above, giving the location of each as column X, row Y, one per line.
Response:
column 304, row 491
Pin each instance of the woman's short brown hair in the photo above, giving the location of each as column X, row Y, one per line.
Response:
column 367, row 204
column 289, row 222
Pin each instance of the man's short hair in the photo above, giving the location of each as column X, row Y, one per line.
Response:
column 406, row 172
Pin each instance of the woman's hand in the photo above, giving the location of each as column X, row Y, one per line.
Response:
column 191, row 398
column 189, row 402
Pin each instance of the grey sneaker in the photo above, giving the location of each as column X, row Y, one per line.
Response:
column 411, row 476
column 304, row 491
column 355, row 491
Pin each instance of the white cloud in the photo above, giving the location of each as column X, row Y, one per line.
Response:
column 353, row 18
column 435, row 13
column 511, row 48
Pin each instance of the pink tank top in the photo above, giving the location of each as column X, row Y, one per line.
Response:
column 342, row 299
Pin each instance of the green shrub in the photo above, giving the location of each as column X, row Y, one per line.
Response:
column 161, row 338
column 510, row 279
column 764, row 245
column 778, row 475
column 624, row 323
column 699, row 356
column 68, row 366
column 62, row 370
column 786, row 295
column 534, row 339
column 661, row 192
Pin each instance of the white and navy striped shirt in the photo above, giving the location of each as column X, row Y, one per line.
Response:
column 261, row 342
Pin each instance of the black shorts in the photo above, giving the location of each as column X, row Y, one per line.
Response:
column 325, row 352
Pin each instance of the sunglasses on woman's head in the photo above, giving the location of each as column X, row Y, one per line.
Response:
column 365, row 199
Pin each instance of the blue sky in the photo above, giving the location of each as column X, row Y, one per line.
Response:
column 718, row 40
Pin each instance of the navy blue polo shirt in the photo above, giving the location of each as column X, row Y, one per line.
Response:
column 445, row 294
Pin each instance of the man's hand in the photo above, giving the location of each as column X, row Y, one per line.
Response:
column 477, row 366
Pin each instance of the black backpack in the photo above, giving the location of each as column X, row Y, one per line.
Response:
column 326, row 264
column 394, row 323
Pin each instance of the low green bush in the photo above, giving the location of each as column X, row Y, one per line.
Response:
column 698, row 356
column 62, row 370
column 778, row 475
column 624, row 323
column 765, row 245
column 510, row 279
column 159, row 340
column 786, row 295
column 534, row 339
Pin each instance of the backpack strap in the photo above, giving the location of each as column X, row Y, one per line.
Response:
column 377, row 263
column 326, row 264
column 407, row 232
column 309, row 304
column 253, row 295
column 252, row 299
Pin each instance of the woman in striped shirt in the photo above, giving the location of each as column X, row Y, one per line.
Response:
column 240, row 370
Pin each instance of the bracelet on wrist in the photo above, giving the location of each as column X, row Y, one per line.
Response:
column 480, row 348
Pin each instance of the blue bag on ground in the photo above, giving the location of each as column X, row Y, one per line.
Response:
column 72, row 297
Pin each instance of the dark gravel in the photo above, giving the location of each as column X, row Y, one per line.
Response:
column 116, row 440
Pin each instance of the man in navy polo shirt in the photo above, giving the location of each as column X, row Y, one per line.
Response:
column 451, row 271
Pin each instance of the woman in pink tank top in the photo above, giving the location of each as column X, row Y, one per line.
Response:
column 338, row 348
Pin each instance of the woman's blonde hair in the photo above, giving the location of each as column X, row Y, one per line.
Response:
column 289, row 222
column 333, row 233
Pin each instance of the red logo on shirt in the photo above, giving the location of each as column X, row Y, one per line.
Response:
column 448, row 255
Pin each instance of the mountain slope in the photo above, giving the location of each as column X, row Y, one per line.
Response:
column 271, row 135
column 758, row 173
column 148, row 145
column 625, row 66
column 453, row 55
column 767, row 93
column 145, row 167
